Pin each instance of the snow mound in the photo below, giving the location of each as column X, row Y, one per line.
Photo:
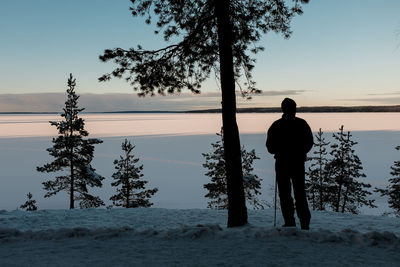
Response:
column 162, row 237
column 207, row 231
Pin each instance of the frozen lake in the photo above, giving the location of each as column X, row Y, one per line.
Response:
column 111, row 125
column 170, row 147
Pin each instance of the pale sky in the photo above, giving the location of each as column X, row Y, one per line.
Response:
column 342, row 52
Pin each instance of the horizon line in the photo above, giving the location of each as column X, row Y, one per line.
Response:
column 301, row 109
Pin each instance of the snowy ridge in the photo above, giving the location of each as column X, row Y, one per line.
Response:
column 212, row 231
column 193, row 237
column 347, row 236
column 191, row 224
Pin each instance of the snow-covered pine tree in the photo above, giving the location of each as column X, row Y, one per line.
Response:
column 30, row 204
column 345, row 169
column 131, row 193
column 317, row 183
column 73, row 155
column 217, row 188
column 393, row 189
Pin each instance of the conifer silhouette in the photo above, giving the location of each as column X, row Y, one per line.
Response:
column 128, row 179
column 393, row 189
column 346, row 193
column 30, row 204
column 217, row 188
column 317, row 183
column 72, row 155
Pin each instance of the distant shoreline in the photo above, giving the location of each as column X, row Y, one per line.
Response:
column 321, row 109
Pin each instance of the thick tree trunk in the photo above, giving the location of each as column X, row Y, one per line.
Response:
column 237, row 212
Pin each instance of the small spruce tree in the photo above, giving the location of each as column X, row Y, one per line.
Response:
column 73, row 155
column 217, row 188
column 30, row 204
column 345, row 169
column 317, row 184
column 131, row 188
column 393, row 189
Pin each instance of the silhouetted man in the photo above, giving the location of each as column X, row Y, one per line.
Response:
column 289, row 139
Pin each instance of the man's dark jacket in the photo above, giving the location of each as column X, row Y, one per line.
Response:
column 289, row 138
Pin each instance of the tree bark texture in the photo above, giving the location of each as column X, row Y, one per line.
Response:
column 237, row 212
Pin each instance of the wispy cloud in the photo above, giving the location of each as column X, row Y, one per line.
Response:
column 385, row 94
column 283, row 92
column 392, row 100
column 264, row 93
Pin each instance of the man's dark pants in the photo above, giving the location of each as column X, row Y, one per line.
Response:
column 288, row 172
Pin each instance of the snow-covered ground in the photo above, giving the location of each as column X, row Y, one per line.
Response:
column 193, row 237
